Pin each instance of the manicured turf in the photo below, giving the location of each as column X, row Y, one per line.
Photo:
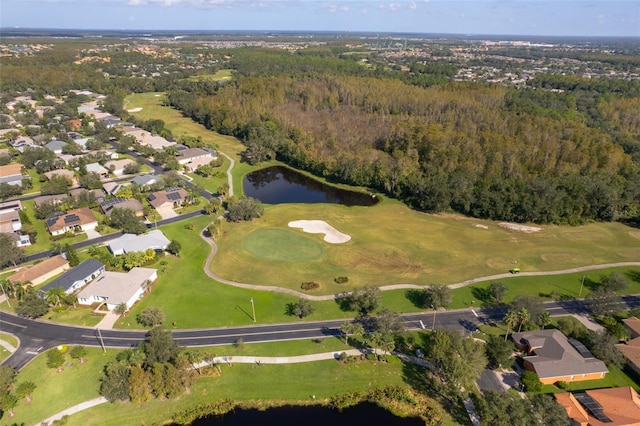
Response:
column 80, row 315
column 240, row 382
column 615, row 378
column 218, row 76
column 392, row 244
column 58, row 391
column 282, row 244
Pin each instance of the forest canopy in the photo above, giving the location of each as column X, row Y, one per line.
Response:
column 539, row 155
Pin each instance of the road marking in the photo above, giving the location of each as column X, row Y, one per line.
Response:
column 422, row 325
column 474, row 313
column 15, row 325
column 32, row 353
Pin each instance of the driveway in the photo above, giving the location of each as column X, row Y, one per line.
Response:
column 166, row 212
column 92, row 234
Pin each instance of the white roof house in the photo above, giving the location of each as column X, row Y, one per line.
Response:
column 115, row 288
column 131, row 243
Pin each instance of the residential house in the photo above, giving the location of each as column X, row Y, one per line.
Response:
column 111, row 121
column 55, row 199
column 55, row 146
column 169, row 198
column 146, row 138
column 10, row 217
column 77, row 277
column 107, row 206
column 82, row 142
column 41, row 272
column 128, row 243
column 10, row 223
column 11, row 174
column 631, row 349
column 71, row 176
column 116, row 288
column 81, row 219
column 21, row 143
column 554, row 358
column 97, row 168
column 193, row 158
column 602, row 407
column 111, row 188
column 117, row 166
column 98, row 194
column 145, row 180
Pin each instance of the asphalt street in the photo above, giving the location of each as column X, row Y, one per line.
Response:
column 34, row 334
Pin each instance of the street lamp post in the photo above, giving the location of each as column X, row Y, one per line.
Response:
column 253, row 308
column 433, row 326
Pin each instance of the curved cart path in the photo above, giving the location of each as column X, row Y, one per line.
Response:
column 232, row 163
column 212, row 275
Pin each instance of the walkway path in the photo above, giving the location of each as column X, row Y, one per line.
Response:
column 75, row 409
column 212, row 275
column 8, row 346
column 232, row 163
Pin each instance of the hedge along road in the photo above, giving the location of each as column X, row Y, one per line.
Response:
column 212, row 275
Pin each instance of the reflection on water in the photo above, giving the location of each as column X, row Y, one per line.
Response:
column 360, row 415
column 280, row 185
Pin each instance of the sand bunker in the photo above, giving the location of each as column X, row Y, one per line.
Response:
column 135, row 110
column 331, row 234
column 521, row 228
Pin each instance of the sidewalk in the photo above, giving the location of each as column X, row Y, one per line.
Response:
column 76, row 408
column 593, row 326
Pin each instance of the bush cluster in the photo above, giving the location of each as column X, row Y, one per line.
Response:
column 310, row 285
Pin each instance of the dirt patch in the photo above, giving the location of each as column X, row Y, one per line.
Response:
column 481, row 226
column 331, row 234
column 135, row 110
column 520, row 228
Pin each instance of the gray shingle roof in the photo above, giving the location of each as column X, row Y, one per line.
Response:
column 74, row 275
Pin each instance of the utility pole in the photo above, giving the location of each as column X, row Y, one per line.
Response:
column 253, row 308
column 104, row 350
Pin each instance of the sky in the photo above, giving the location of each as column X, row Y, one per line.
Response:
column 500, row 17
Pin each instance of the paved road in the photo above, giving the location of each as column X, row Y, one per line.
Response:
column 36, row 334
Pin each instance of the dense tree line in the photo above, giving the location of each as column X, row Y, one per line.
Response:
column 487, row 151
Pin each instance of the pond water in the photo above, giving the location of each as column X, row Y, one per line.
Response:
column 362, row 414
column 280, row 185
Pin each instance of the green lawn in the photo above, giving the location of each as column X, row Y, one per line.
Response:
column 615, row 378
column 81, row 315
column 10, row 339
column 58, row 391
column 43, row 237
column 191, row 299
column 225, row 74
column 244, row 383
column 392, row 244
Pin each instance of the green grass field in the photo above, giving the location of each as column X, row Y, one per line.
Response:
column 244, row 383
column 392, row 244
column 221, row 75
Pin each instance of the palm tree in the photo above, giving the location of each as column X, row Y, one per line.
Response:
column 523, row 317
column 353, row 328
column 21, row 290
column 55, row 296
column 544, row 319
column 511, row 319
column 8, row 288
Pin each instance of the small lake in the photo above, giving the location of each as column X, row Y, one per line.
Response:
column 362, row 414
column 281, row 185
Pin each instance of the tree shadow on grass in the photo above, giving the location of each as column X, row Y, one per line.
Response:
column 482, row 295
column 634, row 275
column 417, row 297
column 342, row 300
